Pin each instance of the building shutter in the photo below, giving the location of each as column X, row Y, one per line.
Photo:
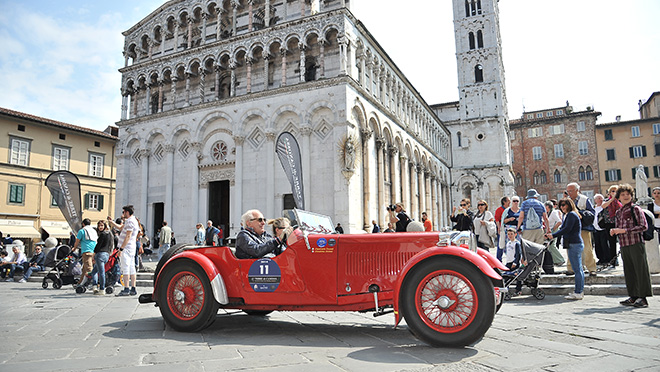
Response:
column 607, row 176
column 86, row 201
column 618, row 174
column 100, row 202
column 632, row 152
column 644, row 151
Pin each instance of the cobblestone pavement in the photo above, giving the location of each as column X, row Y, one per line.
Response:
column 58, row 330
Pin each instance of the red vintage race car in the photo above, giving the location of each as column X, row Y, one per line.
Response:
column 448, row 294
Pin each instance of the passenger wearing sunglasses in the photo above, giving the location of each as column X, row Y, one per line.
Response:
column 462, row 216
column 253, row 241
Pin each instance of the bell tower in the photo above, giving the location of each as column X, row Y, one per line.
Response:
column 480, row 135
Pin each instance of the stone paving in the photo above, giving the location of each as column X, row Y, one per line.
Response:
column 58, row 330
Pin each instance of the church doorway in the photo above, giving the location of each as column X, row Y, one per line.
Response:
column 219, row 205
column 159, row 216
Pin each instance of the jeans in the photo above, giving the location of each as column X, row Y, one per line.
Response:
column 500, row 250
column 98, row 274
column 162, row 249
column 30, row 269
column 575, row 257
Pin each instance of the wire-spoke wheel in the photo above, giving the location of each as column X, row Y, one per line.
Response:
column 447, row 302
column 185, row 297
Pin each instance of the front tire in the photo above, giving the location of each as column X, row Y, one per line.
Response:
column 185, row 297
column 447, row 302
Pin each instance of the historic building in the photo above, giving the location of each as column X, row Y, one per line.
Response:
column 209, row 85
column 553, row 147
column 478, row 121
column 625, row 145
column 32, row 148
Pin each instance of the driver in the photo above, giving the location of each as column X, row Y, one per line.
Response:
column 253, row 241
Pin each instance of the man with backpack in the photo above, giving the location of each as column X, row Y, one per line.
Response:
column 533, row 218
column 587, row 214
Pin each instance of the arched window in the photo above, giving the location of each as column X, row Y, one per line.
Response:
column 589, row 173
column 467, row 8
column 471, row 39
column 557, row 176
column 544, row 178
column 537, row 179
column 581, row 174
column 518, row 180
column 458, row 138
column 478, row 74
column 473, row 7
column 480, row 39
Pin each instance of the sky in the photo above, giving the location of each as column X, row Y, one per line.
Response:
column 60, row 59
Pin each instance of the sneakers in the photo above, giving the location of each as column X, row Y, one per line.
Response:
column 574, row 296
column 628, row 302
column 569, row 273
column 593, row 273
column 22, row 280
column 99, row 292
column 124, row 292
column 641, row 302
column 9, row 280
column 133, row 292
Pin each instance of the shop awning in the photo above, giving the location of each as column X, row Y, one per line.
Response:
column 19, row 229
column 56, row 229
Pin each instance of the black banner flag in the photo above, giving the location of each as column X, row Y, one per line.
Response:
column 65, row 188
column 289, row 153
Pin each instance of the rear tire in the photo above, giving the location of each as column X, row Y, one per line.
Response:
column 185, row 297
column 447, row 302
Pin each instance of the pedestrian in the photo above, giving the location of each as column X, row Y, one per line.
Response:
column 587, row 214
column 505, row 202
column 165, row 239
column 462, row 216
column 611, row 205
column 428, row 225
column 104, row 246
column 36, row 263
column 533, row 218
column 86, row 242
column 654, row 207
column 600, row 235
column 629, row 225
column 200, row 235
column 127, row 244
column 390, row 228
column 376, row 228
column 554, row 219
column 211, row 233
column 510, row 218
column 11, row 264
column 572, row 241
column 339, row 229
column 398, row 217
column 514, row 256
column 480, row 221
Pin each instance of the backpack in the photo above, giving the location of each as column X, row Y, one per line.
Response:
column 586, row 216
column 650, row 228
column 532, row 220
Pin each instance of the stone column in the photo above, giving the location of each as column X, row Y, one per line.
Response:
column 217, row 82
column 395, row 174
column 238, row 193
column 194, row 174
column 250, row 6
column 422, row 191
column 363, row 73
column 306, row 132
column 147, row 110
column 187, row 89
column 234, row 6
column 375, row 79
column 414, row 190
column 218, row 26
column 205, row 17
column 267, row 9
column 381, row 152
column 302, row 8
column 163, row 35
column 160, row 95
column 427, row 192
column 302, row 61
column 248, row 62
column 202, row 81
column 124, row 104
column 366, row 135
column 173, row 89
column 322, row 42
column 169, row 182
column 266, row 59
column 232, row 66
column 343, row 42
column 283, row 53
column 134, row 103
column 126, row 57
column 190, row 23
column 269, row 149
column 150, row 45
column 405, row 182
column 144, row 158
column 176, row 36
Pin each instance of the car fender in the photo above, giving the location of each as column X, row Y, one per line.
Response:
column 214, row 276
column 478, row 259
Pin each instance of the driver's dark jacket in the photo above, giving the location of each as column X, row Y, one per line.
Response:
column 251, row 245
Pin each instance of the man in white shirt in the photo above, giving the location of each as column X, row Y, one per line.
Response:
column 127, row 244
column 165, row 239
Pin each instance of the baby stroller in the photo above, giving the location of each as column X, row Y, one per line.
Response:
column 112, row 274
column 530, row 275
column 65, row 267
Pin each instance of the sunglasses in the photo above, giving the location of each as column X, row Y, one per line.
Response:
column 462, row 205
column 260, row 219
column 516, row 201
column 481, row 205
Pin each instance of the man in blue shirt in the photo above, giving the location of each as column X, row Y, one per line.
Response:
column 533, row 225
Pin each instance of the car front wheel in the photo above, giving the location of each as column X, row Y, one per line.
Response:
column 447, row 302
column 186, row 300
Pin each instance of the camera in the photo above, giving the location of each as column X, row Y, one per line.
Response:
column 391, row 207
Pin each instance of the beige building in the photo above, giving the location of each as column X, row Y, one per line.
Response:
column 624, row 145
column 31, row 148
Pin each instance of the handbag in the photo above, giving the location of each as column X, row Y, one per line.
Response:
column 604, row 220
column 486, row 239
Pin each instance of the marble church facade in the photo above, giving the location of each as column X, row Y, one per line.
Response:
column 209, row 85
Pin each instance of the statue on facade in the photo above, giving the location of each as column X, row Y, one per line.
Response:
column 348, row 154
column 641, row 186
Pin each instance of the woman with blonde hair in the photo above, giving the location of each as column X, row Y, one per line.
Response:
column 481, row 220
column 279, row 224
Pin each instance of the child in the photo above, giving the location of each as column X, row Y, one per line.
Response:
column 513, row 254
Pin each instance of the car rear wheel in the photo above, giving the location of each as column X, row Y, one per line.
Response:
column 447, row 302
column 186, row 300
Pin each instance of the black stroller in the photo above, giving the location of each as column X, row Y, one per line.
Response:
column 65, row 267
column 530, row 275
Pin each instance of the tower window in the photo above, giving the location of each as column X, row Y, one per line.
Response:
column 458, row 137
column 467, row 8
column 471, row 39
column 480, row 39
column 478, row 74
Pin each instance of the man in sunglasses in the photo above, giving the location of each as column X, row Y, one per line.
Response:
column 253, row 241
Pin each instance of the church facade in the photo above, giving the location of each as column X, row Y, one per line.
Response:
column 209, row 85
